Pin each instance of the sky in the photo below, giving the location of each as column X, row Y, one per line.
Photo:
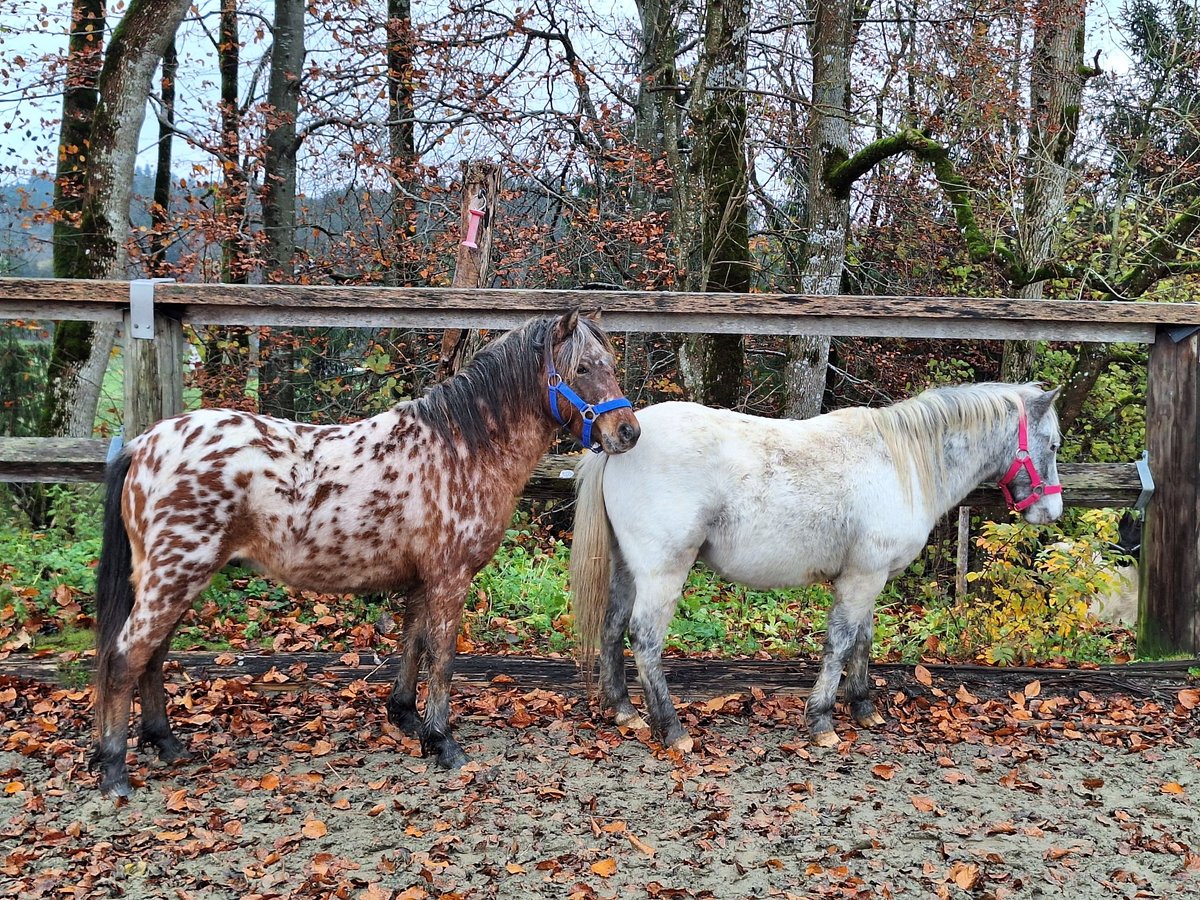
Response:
column 29, row 112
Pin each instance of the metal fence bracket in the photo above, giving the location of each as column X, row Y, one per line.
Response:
column 141, row 307
column 1143, row 470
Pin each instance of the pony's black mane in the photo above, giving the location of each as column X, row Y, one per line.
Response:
column 505, row 376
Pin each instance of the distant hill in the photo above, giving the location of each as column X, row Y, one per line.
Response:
column 25, row 231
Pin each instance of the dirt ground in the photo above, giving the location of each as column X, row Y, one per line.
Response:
column 308, row 793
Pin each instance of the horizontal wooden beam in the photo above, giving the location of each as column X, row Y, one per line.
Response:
column 1094, row 485
column 646, row 311
column 52, row 460
column 82, row 459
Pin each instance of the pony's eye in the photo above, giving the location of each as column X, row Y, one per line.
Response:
column 583, row 370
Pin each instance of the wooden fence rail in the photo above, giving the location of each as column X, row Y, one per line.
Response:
column 1169, row 609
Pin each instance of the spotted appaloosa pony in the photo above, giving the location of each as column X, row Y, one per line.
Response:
column 849, row 497
column 416, row 499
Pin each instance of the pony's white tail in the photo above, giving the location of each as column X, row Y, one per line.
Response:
column 590, row 559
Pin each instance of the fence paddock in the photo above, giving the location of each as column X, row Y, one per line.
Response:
column 1169, row 606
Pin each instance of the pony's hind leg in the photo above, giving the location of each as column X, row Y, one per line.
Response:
column 849, row 633
column 142, row 643
column 156, row 727
column 654, row 606
column 614, row 689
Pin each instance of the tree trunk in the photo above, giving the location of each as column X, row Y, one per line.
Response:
column 827, row 211
column 400, row 263
column 232, row 199
column 102, row 118
column 277, row 392
column 279, row 160
column 720, row 188
column 160, row 208
column 1056, row 91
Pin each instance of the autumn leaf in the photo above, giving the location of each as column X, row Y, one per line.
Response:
column 639, row 844
column 1189, row 698
column 515, row 869
column 1033, row 689
column 884, row 771
column 922, row 675
column 314, row 828
column 269, row 782
column 605, row 867
column 964, row 875
column 923, row 804
column 1173, row 787
column 14, row 787
column 718, row 703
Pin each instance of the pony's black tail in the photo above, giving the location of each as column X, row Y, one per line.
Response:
column 114, row 590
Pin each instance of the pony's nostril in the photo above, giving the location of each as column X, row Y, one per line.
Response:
column 627, row 433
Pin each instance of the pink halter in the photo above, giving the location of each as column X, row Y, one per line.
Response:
column 1022, row 460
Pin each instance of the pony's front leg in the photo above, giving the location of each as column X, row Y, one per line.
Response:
column 402, row 701
column 849, row 626
column 614, row 689
column 442, row 619
column 858, row 684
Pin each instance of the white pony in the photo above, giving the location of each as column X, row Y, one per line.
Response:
column 848, row 497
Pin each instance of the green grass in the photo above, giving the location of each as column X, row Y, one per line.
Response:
column 517, row 603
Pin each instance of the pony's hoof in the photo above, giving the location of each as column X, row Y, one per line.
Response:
column 405, row 718
column 683, row 744
column 174, row 755
column 452, row 758
column 630, row 720
column 115, row 788
column 826, row 739
column 871, row 720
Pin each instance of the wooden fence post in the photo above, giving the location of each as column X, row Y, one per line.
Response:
column 1169, row 588
column 481, row 187
column 153, row 362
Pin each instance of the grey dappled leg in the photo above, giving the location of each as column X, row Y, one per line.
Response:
column 858, row 684
column 614, row 689
column 156, row 727
column 653, row 609
column 849, row 621
column 402, row 701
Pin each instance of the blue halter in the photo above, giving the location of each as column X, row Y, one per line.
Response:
column 587, row 411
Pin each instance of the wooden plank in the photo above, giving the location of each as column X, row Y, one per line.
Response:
column 689, row 678
column 52, row 460
column 746, row 323
column 1094, row 485
column 81, row 459
column 628, row 310
column 1169, row 590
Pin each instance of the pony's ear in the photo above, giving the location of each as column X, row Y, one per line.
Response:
column 1040, row 405
column 593, row 314
column 566, row 325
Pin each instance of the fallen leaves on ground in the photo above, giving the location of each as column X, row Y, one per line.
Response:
column 300, row 788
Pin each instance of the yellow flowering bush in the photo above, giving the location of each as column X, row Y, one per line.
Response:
column 1032, row 588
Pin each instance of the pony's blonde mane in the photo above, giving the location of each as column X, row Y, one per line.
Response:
column 914, row 429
